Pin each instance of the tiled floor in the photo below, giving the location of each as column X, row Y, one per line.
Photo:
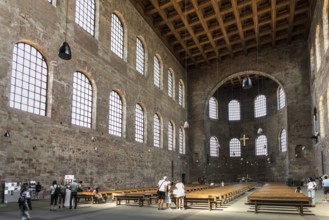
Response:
column 235, row 210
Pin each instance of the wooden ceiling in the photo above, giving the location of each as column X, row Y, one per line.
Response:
column 200, row 32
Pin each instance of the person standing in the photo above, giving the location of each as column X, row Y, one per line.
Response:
column 38, row 188
column 325, row 184
column 162, row 186
column 168, row 195
column 62, row 195
column 23, row 203
column 180, row 194
column 54, row 193
column 311, row 186
column 74, row 194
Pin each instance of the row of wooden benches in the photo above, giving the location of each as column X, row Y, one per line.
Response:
column 278, row 195
column 213, row 196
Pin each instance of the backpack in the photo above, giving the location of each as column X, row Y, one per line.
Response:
column 21, row 200
column 57, row 190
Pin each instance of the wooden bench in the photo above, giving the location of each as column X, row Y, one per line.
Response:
column 137, row 198
column 278, row 195
column 217, row 195
column 91, row 196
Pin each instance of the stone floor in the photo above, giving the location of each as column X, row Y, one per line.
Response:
column 234, row 210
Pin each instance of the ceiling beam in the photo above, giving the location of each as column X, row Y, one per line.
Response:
column 204, row 25
column 238, row 22
column 291, row 19
column 155, row 4
column 188, row 27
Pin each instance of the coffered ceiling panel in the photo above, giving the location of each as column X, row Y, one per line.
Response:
column 199, row 32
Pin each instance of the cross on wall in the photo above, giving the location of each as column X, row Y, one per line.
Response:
column 244, row 139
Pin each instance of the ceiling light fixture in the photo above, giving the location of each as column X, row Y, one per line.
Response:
column 246, row 83
column 65, row 50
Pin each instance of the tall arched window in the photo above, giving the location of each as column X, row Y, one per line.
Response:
column 213, row 108
column 157, row 72
column 182, row 149
column 82, row 100
column 139, row 123
column 29, row 80
column 117, row 36
column 156, row 131
column 170, row 84
column 321, row 115
column 325, row 24
column 283, row 140
column 235, row 147
column 171, row 136
column 214, row 147
column 115, row 114
column 140, row 56
column 234, row 110
column 261, row 145
column 85, row 15
column 317, row 48
column 181, row 94
column 260, row 106
column 281, row 97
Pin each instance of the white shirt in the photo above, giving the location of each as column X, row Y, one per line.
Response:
column 325, row 182
column 163, row 185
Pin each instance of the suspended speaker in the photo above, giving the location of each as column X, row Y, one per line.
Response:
column 246, row 83
column 65, row 51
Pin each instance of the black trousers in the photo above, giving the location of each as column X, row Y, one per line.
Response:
column 74, row 195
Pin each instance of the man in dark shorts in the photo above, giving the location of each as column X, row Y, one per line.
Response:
column 162, row 186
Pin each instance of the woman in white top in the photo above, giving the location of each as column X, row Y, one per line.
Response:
column 180, row 194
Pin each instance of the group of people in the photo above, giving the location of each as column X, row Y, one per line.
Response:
column 312, row 185
column 58, row 194
column 166, row 189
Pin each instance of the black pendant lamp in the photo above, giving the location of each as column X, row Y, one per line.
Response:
column 65, row 50
column 246, row 83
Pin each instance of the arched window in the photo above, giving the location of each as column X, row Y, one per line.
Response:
column 214, row 147
column 260, row 106
column 283, row 140
column 115, row 114
column 85, row 15
column 29, row 80
column 181, row 94
column 213, row 108
column 157, row 72
column 234, row 110
column 321, row 115
column 171, row 136
column 261, row 145
column 170, row 84
column 328, row 103
column 235, row 147
column 139, row 124
column 156, row 131
column 325, row 24
column 281, row 97
column 182, row 149
column 140, row 56
column 117, row 36
column 317, row 48
column 82, row 100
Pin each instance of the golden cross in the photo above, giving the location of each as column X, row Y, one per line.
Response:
column 244, row 138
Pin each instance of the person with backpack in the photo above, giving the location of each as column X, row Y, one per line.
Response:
column 23, row 203
column 62, row 195
column 54, row 193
